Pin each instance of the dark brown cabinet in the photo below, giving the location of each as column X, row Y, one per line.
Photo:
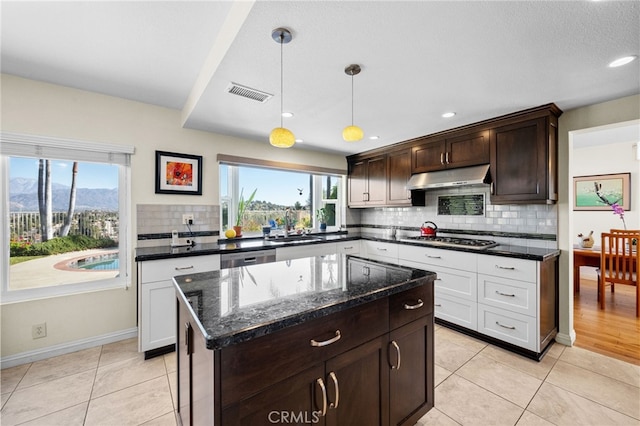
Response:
column 398, row 174
column 367, row 181
column 524, row 156
column 359, row 366
column 466, row 149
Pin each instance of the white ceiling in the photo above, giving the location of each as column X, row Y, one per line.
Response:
column 419, row 59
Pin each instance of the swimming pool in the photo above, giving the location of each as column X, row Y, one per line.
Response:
column 102, row 262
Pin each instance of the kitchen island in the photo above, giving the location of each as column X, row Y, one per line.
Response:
column 330, row 339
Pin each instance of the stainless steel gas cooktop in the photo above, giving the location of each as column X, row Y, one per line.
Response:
column 469, row 243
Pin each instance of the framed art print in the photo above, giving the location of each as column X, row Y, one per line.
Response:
column 178, row 173
column 599, row 192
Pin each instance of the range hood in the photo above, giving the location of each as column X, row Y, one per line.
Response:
column 474, row 175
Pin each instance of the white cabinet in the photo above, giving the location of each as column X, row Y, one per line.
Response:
column 157, row 299
column 379, row 250
column 348, row 247
column 456, row 284
column 304, row 250
column 508, row 300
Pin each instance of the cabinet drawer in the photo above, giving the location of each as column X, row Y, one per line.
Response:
column 457, row 311
column 410, row 305
column 165, row 269
column 348, row 247
column 438, row 257
column 507, row 267
column 387, row 252
column 307, row 250
column 513, row 295
column 455, row 283
column 517, row 329
column 247, row 368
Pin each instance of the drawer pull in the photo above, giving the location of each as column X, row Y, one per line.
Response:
column 397, row 348
column 505, row 294
column 324, row 396
column 348, row 248
column 326, row 342
column 177, row 268
column 438, row 305
column 509, row 268
column 381, row 249
column 418, row 305
column 333, row 377
column 505, row 326
column 249, row 260
column 433, row 257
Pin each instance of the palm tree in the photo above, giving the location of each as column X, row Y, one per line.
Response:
column 44, row 199
column 72, row 202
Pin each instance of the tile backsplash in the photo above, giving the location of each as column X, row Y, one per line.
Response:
column 155, row 222
column 533, row 225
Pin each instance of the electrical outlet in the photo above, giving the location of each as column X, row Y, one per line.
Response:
column 187, row 219
column 39, row 330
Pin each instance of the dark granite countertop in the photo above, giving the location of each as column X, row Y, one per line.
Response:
column 252, row 244
column 239, row 304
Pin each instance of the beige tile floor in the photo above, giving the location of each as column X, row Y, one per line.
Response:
column 476, row 384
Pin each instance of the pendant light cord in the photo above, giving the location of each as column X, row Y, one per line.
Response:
column 281, row 78
column 352, row 99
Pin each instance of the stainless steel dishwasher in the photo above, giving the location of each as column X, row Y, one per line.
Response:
column 234, row 260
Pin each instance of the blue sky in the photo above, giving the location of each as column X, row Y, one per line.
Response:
column 275, row 186
column 90, row 175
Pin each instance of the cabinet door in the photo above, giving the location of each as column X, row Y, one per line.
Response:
column 399, row 172
column 157, row 315
column 301, row 399
column 357, row 386
column 357, row 183
column 428, row 157
column 377, row 181
column 411, row 380
column 468, row 150
column 520, row 162
column 183, row 353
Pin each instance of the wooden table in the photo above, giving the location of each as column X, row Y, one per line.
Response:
column 583, row 257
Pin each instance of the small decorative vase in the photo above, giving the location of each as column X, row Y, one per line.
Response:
column 323, row 226
column 238, row 230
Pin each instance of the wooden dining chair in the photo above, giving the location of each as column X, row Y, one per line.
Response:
column 625, row 231
column 619, row 260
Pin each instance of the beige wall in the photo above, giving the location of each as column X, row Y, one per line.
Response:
column 615, row 111
column 37, row 108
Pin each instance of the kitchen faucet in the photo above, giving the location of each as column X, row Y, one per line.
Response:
column 287, row 221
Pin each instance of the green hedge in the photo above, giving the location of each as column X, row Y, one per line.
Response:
column 60, row 245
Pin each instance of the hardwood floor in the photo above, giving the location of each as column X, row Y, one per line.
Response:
column 614, row 332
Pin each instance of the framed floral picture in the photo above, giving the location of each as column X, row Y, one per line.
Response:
column 601, row 192
column 178, row 173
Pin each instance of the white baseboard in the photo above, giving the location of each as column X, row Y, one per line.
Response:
column 566, row 339
column 65, row 348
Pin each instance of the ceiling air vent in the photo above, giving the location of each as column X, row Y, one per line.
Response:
column 248, row 92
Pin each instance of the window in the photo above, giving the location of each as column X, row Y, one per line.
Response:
column 66, row 230
column 277, row 190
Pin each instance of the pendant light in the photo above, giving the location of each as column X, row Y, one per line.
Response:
column 281, row 137
column 352, row 133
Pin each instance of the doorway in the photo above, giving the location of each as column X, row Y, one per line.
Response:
column 602, row 150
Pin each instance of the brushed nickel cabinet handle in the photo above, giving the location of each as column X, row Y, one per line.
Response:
column 505, row 326
column 333, row 377
column 438, row 305
column 324, row 396
column 320, row 344
column 418, row 305
column 508, row 268
column 491, row 188
column 177, row 268
column 442, row 158
column 446, row 158
column 397, row 348
column 381, row 249
column 505, row 294
column 433, row 257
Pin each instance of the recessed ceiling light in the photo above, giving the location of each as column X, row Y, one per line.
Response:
column 448, row 114
column 287, row 114
column 373, row 138
column 622, row 61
